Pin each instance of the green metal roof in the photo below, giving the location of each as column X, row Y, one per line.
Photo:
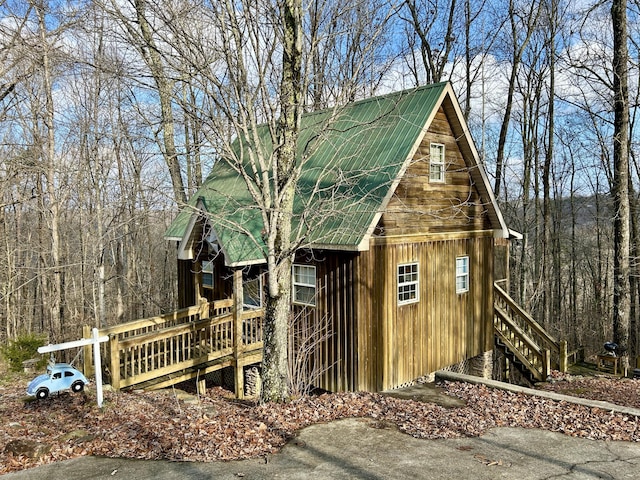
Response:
column 351, row 159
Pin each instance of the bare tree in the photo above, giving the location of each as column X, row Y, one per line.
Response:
column 523, row 22
column 432, row 36
column 621, row 236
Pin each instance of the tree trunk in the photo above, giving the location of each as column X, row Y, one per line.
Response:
column 52, row 214
column 275, row 371
column 621, row 293
column 164, row 85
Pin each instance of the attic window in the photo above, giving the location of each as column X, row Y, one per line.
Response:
column 304, row 285
column 436, row 163
column 408, row 283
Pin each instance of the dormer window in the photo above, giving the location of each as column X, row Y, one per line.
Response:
column 436, row 163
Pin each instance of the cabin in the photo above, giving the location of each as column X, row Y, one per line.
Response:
column 395, row 277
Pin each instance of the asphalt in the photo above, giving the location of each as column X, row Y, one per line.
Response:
column 368, row 449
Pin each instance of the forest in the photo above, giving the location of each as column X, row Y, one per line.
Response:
column 112, row 113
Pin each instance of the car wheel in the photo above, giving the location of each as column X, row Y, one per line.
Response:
column 42, row 393
column 77, row 386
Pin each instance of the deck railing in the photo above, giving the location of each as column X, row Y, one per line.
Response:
column 525, row 338
column 171, row 344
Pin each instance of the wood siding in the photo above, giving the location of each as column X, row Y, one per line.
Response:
column 421, row 206
column 397, row 344
column 186, row 284
column 335, row 314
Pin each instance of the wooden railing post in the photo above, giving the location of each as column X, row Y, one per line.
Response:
column 238, row 301
column 204, row 308
column 114, row 361
column 546, row 363
column 87, row 354
column 564, row 356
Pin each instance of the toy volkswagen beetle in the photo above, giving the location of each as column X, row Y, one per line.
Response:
column 59, row 376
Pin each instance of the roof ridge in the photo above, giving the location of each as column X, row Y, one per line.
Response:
column 377, row 98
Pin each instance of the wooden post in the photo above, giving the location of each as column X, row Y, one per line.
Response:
column 201, row 386
column 204, row 308
column 546, row 363
column 564, row 357
column 238, row 300
column 87, row 366
column 114, row 361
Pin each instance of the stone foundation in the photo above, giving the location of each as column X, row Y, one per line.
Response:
column 478, row 366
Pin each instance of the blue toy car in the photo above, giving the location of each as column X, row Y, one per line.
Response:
column 59, row 376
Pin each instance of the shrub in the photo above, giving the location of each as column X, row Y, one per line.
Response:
column 23, row 348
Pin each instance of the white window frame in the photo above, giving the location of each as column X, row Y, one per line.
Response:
column 437, row 159
column 408, row 283
column 299, row 285
column 260, row 298
column 462, row 274
column 208, row 269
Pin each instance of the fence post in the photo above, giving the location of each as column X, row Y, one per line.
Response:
column 564, row 357
column 87, row 354
column 114, row 361
column 238, row 300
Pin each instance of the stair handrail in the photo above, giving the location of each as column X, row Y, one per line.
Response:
column 535, row 358
column 549, row 341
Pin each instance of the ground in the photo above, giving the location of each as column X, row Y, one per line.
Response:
column 211, row 427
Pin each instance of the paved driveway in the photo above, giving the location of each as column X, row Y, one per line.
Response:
column 366, row 449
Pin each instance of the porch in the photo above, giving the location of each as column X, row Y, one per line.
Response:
column 187, row 344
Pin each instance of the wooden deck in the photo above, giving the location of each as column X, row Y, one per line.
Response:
column 161, row 351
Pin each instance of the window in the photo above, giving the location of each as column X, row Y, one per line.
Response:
column 207, row 274
column 252, row 292
column 462, row 274
column 436, row 163
column 304, row 285
column 408, row 283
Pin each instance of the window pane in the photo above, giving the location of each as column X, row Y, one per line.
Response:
column 305, row 295
column 436, row 163
column 207, row 274
column 304, row 284
column 304, row 275
column 408, row 281
column 462, row 274
column 252, row 292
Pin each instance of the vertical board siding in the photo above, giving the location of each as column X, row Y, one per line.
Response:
column 186, row 289
column 442, row 329
column 335, row 311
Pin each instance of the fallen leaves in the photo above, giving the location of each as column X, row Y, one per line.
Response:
column 157, row 425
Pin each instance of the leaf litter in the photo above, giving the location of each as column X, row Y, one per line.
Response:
column 159, row 425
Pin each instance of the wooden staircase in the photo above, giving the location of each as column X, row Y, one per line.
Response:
column 524, row 341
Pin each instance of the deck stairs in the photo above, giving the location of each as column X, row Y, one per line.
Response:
column 524, row 341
